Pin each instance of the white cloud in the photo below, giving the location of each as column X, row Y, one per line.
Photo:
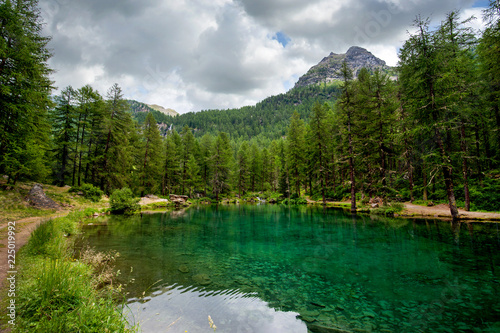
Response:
column 198, row 54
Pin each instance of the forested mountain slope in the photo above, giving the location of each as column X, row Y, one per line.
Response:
column 268, row 119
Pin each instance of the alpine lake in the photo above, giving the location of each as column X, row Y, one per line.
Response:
column 272, row 268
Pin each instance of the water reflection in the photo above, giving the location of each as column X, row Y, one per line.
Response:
column 177, row 308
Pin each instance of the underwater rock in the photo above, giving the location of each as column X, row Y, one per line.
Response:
column 308, row 319
column 202, row 279
column 318, row 304
column 183, row 269
column 313, row 313
column 369, row 314
column 324, row 329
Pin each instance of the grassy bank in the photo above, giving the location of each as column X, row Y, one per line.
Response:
column 56, row 292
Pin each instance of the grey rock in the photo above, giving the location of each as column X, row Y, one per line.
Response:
column 38, row 199
column 328, row 69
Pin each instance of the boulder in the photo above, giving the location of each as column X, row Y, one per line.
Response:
column 38, row 199
column 376, row 202
column 179, row 200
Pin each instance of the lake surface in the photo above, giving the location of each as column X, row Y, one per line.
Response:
column 279, row 269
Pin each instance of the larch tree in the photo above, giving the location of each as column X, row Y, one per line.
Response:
column 25, row 90
column 295, row 151
column 346, row 107
column 63, row 125
column 425, row 97
column 152, row 156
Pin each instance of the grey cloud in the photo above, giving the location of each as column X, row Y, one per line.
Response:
column 201, row 52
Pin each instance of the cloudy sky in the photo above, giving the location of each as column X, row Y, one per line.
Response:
column 193, row 55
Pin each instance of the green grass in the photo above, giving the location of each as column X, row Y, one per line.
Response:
column 57, row 293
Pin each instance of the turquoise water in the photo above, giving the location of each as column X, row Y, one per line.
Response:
column 278, row 269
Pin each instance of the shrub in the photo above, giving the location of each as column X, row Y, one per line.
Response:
column 123, row 202
column 89, row 191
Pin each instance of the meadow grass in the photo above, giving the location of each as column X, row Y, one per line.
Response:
column 57, row 293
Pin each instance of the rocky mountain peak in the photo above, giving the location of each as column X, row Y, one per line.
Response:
column 327, row 70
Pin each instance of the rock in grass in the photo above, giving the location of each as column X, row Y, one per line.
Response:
column 38, row 199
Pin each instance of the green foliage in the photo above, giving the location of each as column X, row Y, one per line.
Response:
column 389, row 209
column 123, row 202
column 89, row 191
column 48, row 240
column 24, row 92
column 58, row 294
column 297, row 201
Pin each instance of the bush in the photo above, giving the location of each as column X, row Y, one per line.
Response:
column 123, row 202
column 89, row 191
column 298, row 201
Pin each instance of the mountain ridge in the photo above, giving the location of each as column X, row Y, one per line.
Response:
column 327, row 70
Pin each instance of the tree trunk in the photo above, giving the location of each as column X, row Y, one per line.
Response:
column 447, row 173
column 465, row 167
column 351, row 166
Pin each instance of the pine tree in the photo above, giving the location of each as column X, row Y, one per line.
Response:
column 171, row 164
column 152, row 157
column 193, row 176
column 25, row 90
column 295, row 151
column 255, row 166
column 63, row 126
column 188, row 149
column 346, row 106
column 317, row 137
column 206, row 143
column 489, row 58
column 243, row 171
column 116, row 159
column 426, row 97
column 221, row 162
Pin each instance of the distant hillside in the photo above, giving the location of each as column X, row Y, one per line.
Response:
column 328, row 69
column 138, row 107
column 168, row 112
column 267, row 120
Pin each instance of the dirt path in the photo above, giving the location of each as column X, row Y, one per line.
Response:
column 443, row 211
column 24, row 228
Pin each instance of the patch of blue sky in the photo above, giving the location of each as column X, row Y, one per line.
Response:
column 282, row 38
column 481, row 4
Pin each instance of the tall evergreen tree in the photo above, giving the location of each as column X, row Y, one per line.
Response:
column 221, row 163
column 489, row 59
column 25, row 90
column 152, row 157
column 346, row 106
column 243, row 171
column 419, row 76
column 317, row 137
column 295, row 151
column 63, row 126
column 188, row 150
column 117, row 126
column 206, row 143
